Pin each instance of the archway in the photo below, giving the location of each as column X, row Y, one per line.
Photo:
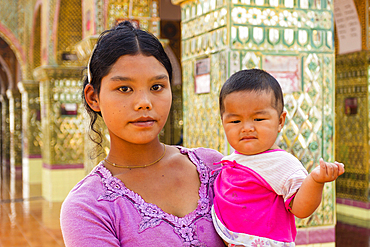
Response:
column 10, row 74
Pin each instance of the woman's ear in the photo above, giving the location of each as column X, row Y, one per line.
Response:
column 282, row 120
column 92, row 98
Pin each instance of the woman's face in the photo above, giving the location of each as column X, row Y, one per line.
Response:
column 135, row 99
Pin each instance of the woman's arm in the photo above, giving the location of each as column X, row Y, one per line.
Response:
column 309, row 195
column 81, row 226
column 85, row 222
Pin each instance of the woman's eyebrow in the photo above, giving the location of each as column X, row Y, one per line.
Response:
column 120, row 78
column 160, row 77
column 125, row 78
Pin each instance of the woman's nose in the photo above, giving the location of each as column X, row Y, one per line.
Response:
column 143, row 101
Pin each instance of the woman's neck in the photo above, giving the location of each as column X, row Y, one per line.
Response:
column 130, row 154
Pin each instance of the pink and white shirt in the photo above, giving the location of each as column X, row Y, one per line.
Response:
column 252, row 196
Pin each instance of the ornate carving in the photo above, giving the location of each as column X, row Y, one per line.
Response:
column 63, row 135
column 352, row 130
column 31, row 118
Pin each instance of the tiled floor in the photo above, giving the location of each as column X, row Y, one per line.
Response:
column 26, row 219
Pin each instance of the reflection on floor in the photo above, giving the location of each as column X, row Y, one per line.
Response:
column 26, row 219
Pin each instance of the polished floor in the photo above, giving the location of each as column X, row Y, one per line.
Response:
column 26, row 219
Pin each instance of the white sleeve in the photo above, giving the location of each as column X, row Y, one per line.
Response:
column 293, row 183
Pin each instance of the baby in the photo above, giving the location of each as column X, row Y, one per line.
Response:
column 261, row 187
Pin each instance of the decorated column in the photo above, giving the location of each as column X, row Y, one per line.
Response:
column 353, row 137
column 5, row 133
column 352, row 108
column 31, row 129
column 15, row 128
column 292, row 40
column 62, row 129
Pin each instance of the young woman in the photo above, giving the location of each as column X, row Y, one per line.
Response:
column 144, row 193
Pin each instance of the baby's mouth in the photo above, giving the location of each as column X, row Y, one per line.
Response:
column 248, row 138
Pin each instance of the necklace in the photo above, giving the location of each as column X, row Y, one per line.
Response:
column 129, row 167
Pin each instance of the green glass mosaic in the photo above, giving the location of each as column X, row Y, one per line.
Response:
column 249, row 34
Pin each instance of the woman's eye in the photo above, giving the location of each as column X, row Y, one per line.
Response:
column 157, row 87
column 125, row 89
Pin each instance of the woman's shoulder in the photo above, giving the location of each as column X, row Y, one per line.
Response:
column 89, row 189
column 91, row 179
column 84, row 208
column 206, row 155
column 92, row 198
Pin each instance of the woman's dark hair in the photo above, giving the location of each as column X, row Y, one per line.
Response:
column 255, row 80
column 123, row 39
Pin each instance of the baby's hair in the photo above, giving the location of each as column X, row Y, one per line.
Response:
column 252, row 80
column 123, row 39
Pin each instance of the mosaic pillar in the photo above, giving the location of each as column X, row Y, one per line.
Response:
column 144, row 13
column 62, row 129
column 15, row 128
column 5, row 133
column 353, row 137
column 293, row 41
column 31, row 129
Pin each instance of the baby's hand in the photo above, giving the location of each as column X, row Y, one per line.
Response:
column 327, row 172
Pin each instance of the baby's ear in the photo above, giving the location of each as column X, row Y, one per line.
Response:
column 282, row 120
column 92, row 98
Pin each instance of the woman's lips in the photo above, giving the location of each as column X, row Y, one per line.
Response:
column 143, row 122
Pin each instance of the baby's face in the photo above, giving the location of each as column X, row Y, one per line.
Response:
column 251, row 122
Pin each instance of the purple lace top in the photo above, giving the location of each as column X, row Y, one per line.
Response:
column 101, row 211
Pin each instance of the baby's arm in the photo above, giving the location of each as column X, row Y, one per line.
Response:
column 309, row 195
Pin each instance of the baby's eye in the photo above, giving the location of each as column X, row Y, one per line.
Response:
column 125, row 89
column 258, row 119
column 235, row 121
column 157, row 87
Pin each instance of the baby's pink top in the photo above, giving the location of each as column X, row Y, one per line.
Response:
column 253, row 192
column 101, row 211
